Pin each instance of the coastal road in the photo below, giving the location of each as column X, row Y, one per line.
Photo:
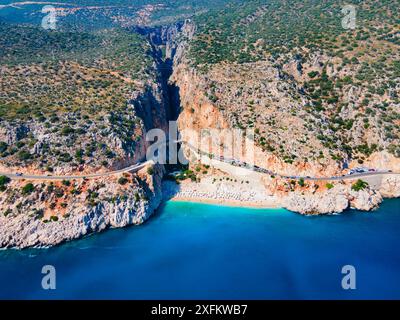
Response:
column 132, row 168
column 346, row 177
column 238, row 163
column 233, row 162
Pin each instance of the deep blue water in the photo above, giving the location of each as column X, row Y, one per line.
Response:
column 196, row 251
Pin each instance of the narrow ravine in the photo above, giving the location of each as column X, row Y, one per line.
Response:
column 163, row 41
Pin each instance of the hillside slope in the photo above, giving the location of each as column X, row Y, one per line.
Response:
column 289, row 70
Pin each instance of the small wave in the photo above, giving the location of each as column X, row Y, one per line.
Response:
column 86, row 248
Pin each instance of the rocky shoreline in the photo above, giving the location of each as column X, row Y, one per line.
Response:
column 24, row 231
column 136, row 206
column 337, row 200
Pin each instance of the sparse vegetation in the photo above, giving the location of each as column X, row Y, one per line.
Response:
column 123, row 181
column 330, row 186
column 28, row 189
column 3, row 182
column 359, row 185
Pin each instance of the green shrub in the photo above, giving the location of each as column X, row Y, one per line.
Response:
column 109, row 154
column 359, row 185
column 59, row 192
column 38, row 213
column 3, row 146
column 50, row 188
column 79, row 153
column 104, row 163
column 28, row 189
column 330, row 186
column 66, row 183
column 150, row 170
column 67, row 130
column 313, row 74
column 65, row 157
column 4, row 180
column 123, row 180
column 24, row 155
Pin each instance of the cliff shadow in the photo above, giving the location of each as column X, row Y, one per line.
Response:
column 170, row 189
column 174, row 101
column 150, row 107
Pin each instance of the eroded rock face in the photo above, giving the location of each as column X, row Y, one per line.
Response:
column 365, row 200
column 224, row 99
column 10, row 133
column 25, row 231
column 337, row 200
column 390, row 187
column 320, row 203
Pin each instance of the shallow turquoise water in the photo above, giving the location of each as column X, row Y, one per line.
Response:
column 210, row 252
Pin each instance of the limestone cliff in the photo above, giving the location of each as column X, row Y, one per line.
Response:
column 269, row 99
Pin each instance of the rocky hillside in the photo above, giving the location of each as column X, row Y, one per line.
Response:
column 321, row 98
column 76, row 104
column 64, row 108
column 290, row 71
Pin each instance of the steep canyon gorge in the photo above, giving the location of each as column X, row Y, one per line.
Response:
column 197, row 101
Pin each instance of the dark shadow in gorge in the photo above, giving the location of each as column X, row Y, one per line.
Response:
column 164, row 42
column 163, row 49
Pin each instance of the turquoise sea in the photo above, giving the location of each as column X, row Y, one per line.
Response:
column 197, row 251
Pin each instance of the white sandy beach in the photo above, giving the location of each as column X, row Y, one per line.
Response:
column 231, row 186
column 227, row 193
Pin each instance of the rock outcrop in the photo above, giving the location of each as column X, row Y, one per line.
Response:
column 337, row 200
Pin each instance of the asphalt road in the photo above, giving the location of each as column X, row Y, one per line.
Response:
column 132, row 168
column 139, row 166
column 306, row 178
column 347, row 177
